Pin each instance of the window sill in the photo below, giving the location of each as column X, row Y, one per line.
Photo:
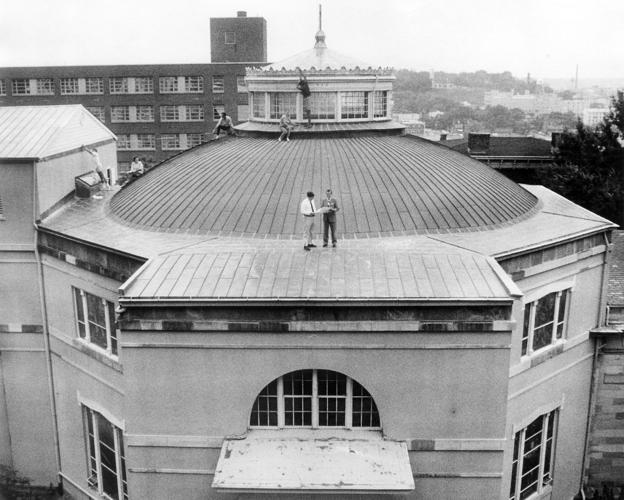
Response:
column 99, row 355
column 538, row 357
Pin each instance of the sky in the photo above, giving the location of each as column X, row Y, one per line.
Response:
column 546, row 38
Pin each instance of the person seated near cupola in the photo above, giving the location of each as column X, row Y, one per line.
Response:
column 304, row 88
column 224, row 123
column 285, row 125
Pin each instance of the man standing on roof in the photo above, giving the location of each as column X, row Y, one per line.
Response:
column 329, row 218
column 308, row 210
column 304, row 88
column 98, row 164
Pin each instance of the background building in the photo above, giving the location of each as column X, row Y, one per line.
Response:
column 155, row 111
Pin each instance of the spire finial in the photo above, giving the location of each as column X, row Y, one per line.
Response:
column 320, row 36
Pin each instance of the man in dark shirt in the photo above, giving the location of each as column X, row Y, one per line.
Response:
column 304, row 88
column 329, row 217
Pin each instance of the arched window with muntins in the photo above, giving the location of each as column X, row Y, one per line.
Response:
column 314, row 399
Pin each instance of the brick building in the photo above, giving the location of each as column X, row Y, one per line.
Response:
column 158, row 110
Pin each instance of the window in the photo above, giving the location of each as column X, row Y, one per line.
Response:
column 2, row 87
column 145, row 113
column 98, row 112
column 170, row 142
column 282, row 102
column 123, row 142
column 314, row 398
column 120, row 114
column 533, row 455
column 323, row 105
column 354, row 105
column 194, row 112
column 169, row 114
column 145, row 141
column 218, row 84
column 105, row 456
column 45, row 86
column 544, row 321
column 69, row 86
column 258, row 104
column 118, row 85
column 241, row 84
column 94, row 85
column 380, row 104
column 216, row 112
column 20, row 87
column 96, row 321
column 143, row 85
column 230, row 37
column 168, row 84
column 193, row 140
column 194, row 84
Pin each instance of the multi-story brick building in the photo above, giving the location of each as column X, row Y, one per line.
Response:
column 155, row 110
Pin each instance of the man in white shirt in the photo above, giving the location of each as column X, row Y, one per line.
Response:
column 136, row 167
column 308, row 210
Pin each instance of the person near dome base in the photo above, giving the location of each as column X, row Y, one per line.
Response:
column 329, row 218
column 136, row 167
column 224, row 123
column 308, row 210
column 285, row 125
column 304, row 88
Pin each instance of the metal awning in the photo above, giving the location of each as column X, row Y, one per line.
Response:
column 314, row 461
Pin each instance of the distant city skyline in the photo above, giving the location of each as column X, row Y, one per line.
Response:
column 546, row 38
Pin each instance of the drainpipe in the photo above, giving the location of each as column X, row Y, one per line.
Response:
column 46, row 331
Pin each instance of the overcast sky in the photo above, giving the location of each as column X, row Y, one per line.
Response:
column 546, row 38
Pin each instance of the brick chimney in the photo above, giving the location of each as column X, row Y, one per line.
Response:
column 478, row 144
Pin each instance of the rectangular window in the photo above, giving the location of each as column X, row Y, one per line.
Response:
column 45, row 86
column 120, row 114
column 170, row 142
column 94, row 85
column 380, row 104
column 298, row 398
column 2, row 87
column 332, row 398
column 258, row 104
column 218, row 85
column 230, row 37
column 123, row 142
column 354, row 105
column 216, row 112
column 323, row 105
column 145, row 141
column 241, row 84
column 145, row 113
column 194, row 84
column 143, row 85
column 118, row 85
column 193, row 140
column 282, row 102
column 105, row 456
column 98, row 112
column 20, row 87
column 69, row 86
column 168, row 84
column 533, row 457
column 544, row 321
column 169, row 114
column 95, row 318
column 194, row 113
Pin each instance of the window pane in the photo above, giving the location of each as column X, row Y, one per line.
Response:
column 97, row 321
column 282, row 102
column 264, row 411
column 365, row 412
column 258, row 104
column 545, row 310
column 113, row 327
column 107, row 457
column 380, row 104
column 144, row 85
column 354, row 104
column 323, row 105
column 80, row 316
column 563, row 299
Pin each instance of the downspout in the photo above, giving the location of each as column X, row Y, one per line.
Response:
column 46, row 331
column 598, row 344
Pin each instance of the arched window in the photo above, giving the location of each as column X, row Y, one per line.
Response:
column 314, row 398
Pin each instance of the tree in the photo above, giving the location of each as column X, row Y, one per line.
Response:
column 590, row 164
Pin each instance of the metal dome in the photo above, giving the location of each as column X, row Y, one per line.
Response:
column 386, row 185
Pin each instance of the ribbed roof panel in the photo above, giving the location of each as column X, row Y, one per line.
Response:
column 385, row 185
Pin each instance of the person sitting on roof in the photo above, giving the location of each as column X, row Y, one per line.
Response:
column 136, row 167
column 224, row 123
column 285, row 125
column 304, row 88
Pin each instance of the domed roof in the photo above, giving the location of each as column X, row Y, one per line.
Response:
column 385, row 185
column 317, row 59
